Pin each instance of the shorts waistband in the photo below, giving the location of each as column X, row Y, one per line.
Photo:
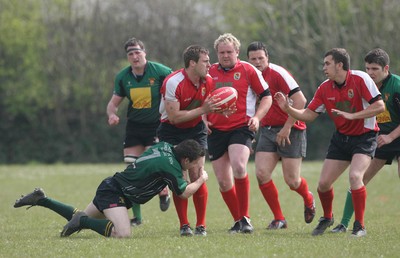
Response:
column 346, row 138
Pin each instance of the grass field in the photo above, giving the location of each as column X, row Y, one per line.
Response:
column 35, row 232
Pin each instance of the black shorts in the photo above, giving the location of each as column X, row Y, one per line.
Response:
column 174, row 135
column 218, row 141
column 109, row 195
column 140, row 134
column 343, row 147
column 389, row 151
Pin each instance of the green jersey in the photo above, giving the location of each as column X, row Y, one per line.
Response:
column 389, row 119
column 156, row 168
column 143, row 92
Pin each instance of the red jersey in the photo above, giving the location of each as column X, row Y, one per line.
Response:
column 281, row 80
column 248, row 82
column 178, row 87
column 354, row 96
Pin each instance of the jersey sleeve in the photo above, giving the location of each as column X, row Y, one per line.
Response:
column 178, row 186
column 171, row 87
column 370, row 92
column 287, row 82
column 257, row 82
column 119, row 89
column 317, row 104
column 175, row 180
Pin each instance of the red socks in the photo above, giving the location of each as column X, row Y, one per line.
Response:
column 304, row 192
column 181, row 206
column 359, row 198
column 326, row 202
column 200, row 204
column 243, row 195
column 232, row 203
column 270, row 193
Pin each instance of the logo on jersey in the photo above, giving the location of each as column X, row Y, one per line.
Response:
column 203, row 91
column 151, row 81
column 350, row 93
column 236, row 76
column 387, row 95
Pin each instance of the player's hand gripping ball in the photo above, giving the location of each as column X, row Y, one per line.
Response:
column 225, row 97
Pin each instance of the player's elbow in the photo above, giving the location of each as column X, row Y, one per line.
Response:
column 173, row 121
column 303, row 101
column 186, row 194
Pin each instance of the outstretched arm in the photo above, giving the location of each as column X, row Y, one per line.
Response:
column 372, row 110
column 304, row 114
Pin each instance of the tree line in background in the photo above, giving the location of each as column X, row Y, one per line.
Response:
column 58, row 59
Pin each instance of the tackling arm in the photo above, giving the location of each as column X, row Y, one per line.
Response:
column 194, row 186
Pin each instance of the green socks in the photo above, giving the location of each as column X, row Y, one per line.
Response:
column 101, row 226
column 137, row 213
column 348, row 210
column 64, row 210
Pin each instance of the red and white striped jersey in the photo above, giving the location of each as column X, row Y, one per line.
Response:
column 178, row 87
column 354, row 96
column 248, row 82
column 279, row 80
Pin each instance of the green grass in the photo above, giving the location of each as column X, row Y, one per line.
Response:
column 35, row 232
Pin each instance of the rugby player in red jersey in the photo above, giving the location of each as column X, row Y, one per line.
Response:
column 230, row 137
column 282, row 138
column 184, row 102
column 352, row 100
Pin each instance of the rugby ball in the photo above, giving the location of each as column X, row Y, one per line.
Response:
column 225, row 97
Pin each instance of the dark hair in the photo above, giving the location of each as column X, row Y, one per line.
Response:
column 190, row 149
column 257, row 45
column 340, row 55
column 133, row 42
column 193, row 53
column 377, row 56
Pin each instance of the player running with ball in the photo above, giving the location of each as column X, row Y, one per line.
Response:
column 230, row 138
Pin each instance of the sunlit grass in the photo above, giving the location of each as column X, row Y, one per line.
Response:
column 35, row 232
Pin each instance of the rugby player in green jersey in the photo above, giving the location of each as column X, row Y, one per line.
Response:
column 160, row 166
column 140, row 83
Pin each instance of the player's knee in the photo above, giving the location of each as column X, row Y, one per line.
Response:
column 293, row 182
column 324, row 186
column 260, row 174
column 122, row 233
column 293, row 185
column 355, row 178
column 225, row 185
column 263, row 178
